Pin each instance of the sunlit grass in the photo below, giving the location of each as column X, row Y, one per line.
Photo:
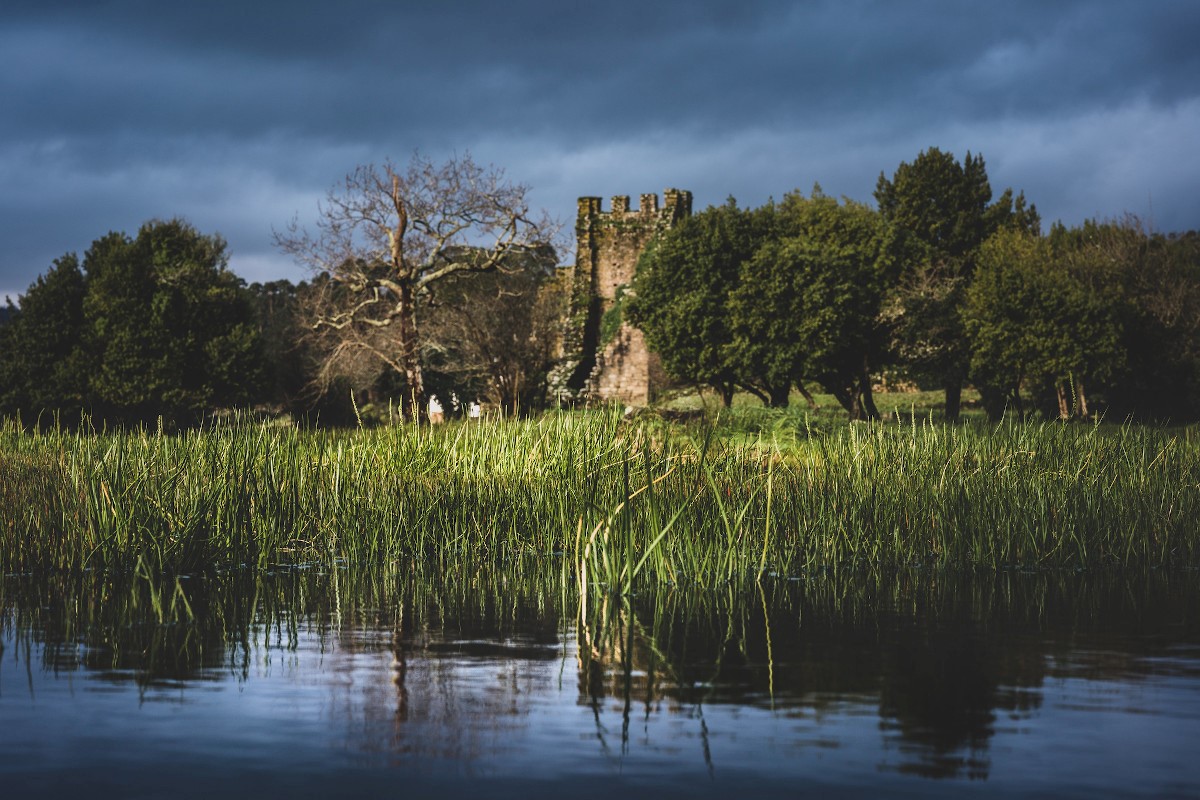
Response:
column 621, row 503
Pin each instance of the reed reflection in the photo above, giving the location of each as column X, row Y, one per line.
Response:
column 479, row 667
column 939, row 656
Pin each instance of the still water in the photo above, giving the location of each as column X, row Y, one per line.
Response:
column 417, row 684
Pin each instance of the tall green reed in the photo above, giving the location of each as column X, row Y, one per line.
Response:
column 623, row 504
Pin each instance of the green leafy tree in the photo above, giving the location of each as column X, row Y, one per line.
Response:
column 1037, row 316
column 169, row 329
column 1162, row 325
column 807, row 304
column 150, row 326
column 1152, row 282
column 680, row 297
column 942, row 212
column 276, row 307
column 43, row 369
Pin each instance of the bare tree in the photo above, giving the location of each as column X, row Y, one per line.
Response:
column 386, row 237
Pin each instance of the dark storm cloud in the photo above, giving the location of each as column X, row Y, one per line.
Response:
column 335, row 71
column 238, row 115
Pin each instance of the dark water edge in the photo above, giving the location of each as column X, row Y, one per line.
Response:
column 498, row 683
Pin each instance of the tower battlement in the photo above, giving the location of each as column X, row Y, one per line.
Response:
column 677, row 204
column 610, row 242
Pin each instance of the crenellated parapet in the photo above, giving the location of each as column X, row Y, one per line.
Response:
column 604, row 357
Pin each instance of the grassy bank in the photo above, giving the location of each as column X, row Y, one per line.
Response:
column 622, row 503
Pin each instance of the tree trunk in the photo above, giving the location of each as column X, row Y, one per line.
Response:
column 1064, row 407
column 808, row 398
column 759, row 393
column 1083, row 405
column 416, row 403
column 726, row 390
column 868, row 401
column 857, row 412
column 953, row 400
column 505, row 401
column 779, row 395
column 848, row 397
column 995, row 401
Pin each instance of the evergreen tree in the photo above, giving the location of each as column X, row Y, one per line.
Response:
column 43, row 369
column 942, row 212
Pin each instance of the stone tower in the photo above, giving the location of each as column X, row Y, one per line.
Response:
column 605, row 358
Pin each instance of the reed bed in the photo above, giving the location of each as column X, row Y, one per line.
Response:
column 620, row 503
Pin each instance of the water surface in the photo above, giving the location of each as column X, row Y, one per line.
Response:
column 452, row 683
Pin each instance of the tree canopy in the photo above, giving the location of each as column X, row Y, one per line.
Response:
column 43, row 366
column 941, row 212
column 942, row 284
column 807, row 302
column 1033, row 317
column 769, row 298
column 437, row 278
column 682, row 290
column 154, row 325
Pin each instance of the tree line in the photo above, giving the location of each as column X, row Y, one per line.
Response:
column 939, row 284
column 437, row 279
column 155, row 328
column 144, row 326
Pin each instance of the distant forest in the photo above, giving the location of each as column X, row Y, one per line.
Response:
column 940, row 284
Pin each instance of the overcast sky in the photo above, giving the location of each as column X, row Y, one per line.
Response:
column 239, row 115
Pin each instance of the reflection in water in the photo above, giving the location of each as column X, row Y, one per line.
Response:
column 481, row 673
column 940, row 656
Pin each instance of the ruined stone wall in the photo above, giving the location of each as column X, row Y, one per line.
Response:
column 606, row 358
